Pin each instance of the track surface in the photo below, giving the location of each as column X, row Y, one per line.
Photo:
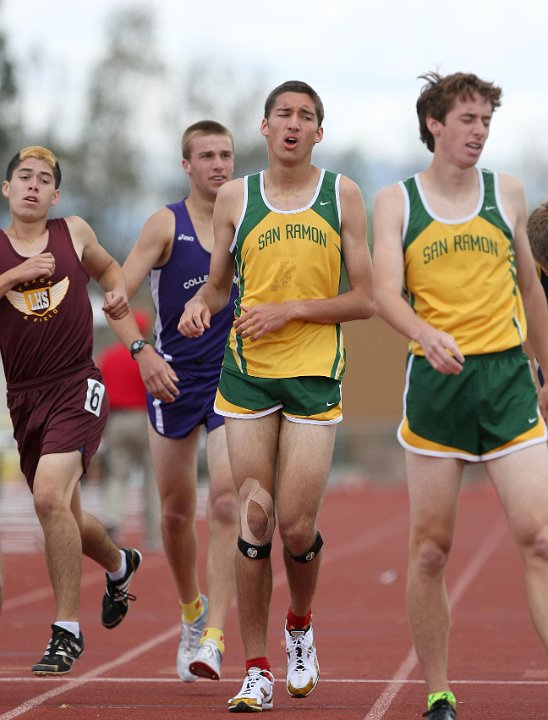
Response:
column 368, row 669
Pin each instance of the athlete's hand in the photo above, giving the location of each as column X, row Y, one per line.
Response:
column 37, row 266
column 257, row 321
column 441, row 350
column 158, row 376
column 116, row 304
column 196, row 318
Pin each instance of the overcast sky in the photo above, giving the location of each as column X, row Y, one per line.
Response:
column 362, row 57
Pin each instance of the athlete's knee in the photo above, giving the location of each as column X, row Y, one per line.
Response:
column 223, row 507
column 46, row 503
column 536, row 543
column 310, row 553
column 256, row 513
column 430, row 557
column 297, row 532
column 541, row 543
column 43, row 505
column 176, row 517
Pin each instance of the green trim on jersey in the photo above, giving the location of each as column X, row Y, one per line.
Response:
column 420, row 219
column 254, row 216
column 336, row 371
column 325, row 205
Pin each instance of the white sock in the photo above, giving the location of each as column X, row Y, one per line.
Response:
column 72, row 627
column 119, row 574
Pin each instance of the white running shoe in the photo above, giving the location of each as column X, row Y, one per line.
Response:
column 303, row 669
column 207, row 661
column 256, row 692
column 189, row 644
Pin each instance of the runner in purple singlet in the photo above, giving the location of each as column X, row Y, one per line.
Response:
column 174, row 250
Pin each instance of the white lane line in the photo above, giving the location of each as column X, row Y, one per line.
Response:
column 324, row 681
column 67, row 685
column 471, row 570
column 372, row 536
column 88, row 579
column 46, row 592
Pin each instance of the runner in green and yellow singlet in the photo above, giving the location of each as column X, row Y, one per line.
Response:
column 454, row 239
column 286, row 231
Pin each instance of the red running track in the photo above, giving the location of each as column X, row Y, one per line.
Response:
column 369, row 672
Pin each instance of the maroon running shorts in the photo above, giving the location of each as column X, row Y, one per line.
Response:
column 58, row 414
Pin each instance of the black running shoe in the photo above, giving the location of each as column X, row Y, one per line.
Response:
column 116, row 598
column 441, row 710
column 62, row 650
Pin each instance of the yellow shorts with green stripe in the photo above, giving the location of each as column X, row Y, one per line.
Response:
column 314, row 400
column 490, row 409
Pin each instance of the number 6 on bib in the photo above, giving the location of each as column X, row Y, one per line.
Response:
column 94, row 397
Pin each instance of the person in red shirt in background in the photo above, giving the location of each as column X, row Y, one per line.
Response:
column 125, row 440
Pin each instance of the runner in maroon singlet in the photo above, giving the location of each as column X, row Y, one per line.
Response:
column 55, row 393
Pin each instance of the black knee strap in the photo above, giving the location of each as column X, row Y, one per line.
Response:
column 254, row 552
column 310, row 554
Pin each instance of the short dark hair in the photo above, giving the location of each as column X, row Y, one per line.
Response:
column 35, row 151
column 199, row 129
column 438, row 96
column 295, row 86
column 537, row 230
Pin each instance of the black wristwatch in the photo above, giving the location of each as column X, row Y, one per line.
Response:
column 136, row 346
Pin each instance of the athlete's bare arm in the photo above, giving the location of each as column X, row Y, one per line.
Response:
column 108, row 273
column 532, row 293
column 439, row 347
column 101, row 266
column 152, row 249
column 215, row 293
column 356, row 303
column 359, row 301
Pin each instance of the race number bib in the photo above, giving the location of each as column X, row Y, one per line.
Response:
column 94, row 397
